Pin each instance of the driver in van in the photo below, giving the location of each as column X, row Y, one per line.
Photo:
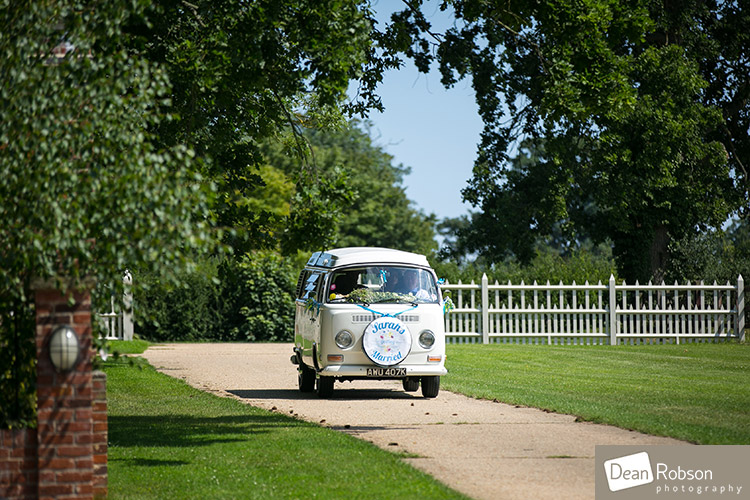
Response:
column 411, row 285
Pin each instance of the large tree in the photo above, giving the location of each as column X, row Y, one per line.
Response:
column 643, row 107
column 244, row 72
column 84, row 192
column 377, row 211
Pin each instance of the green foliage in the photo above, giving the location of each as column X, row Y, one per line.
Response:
column 83, row 190
column 375, row 210
column 641, row 109
column 244, row 73
column 367, row 296
column 268, row 298
column 590, row 264
column 380, row 215
column 249, row 300
column 315, row 210
column 719, row 255
column 188, row 311
column 17, row 364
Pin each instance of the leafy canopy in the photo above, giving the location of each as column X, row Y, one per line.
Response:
column 83, row 190
column 244, row 73
column 377, row 211
column 641, row 107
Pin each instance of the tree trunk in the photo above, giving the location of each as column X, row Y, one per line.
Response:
column 659, row 253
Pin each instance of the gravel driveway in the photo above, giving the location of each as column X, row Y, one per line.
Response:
column 484, row 449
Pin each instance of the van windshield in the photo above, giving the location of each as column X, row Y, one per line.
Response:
column 379, row 284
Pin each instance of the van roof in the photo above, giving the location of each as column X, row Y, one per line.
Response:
column 365, row 255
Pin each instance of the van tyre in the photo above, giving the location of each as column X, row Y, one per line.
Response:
column 325, row 387
column 430, row 386
column 411, row 384
column 305, row 378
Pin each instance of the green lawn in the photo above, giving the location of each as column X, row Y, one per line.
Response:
column 136, row 346
column 696, row 392
column 168, row 440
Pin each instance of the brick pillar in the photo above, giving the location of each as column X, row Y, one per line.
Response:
column 64, row 400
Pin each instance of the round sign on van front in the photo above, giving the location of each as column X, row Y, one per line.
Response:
column 386, row 341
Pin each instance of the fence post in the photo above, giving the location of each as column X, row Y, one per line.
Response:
column 485, row 310
column 127, row 307
column 740, row 319
column 612, row 323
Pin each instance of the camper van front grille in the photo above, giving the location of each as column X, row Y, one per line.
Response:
column 367, row 318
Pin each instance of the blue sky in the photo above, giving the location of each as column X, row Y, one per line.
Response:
column 432, row 130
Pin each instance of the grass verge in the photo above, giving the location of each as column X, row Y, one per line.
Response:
column 136, row 346
column 695, row 392
column 169, row 440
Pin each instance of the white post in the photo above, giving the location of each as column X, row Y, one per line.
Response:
column 612, row 323
column 485, row 310
column 127, row 307
column 740, row 320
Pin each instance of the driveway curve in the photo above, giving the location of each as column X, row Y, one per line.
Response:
column 485, row 449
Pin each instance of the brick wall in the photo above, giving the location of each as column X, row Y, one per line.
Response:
column 65, row 457
column 100, row 432
column 18, row 463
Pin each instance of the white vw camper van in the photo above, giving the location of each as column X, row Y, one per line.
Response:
column 369, row 313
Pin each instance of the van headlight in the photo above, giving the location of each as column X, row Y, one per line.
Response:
column 426, row 339
column 344, row 339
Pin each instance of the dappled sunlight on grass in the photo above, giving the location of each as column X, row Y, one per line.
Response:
column 169, row 440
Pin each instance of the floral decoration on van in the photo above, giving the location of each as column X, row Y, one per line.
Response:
column 312, row 305
column 367, row 296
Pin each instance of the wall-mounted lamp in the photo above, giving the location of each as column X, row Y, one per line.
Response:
column 64, row 348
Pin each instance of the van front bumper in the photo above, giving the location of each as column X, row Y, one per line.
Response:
column 360, row 371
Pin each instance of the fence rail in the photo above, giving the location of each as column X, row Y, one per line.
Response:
column 594, row 314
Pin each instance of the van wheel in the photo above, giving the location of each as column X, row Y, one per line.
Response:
column 411, row 384
column 430, row 386
column 325, row 387
column 305, row 379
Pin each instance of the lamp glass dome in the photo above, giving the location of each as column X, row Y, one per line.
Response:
column 64, row 348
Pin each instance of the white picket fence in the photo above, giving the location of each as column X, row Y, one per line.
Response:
column 594, row 314
column 118, row 322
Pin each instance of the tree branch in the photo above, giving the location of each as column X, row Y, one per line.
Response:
column 299, row 140
column 194, row 9
column 422, row 22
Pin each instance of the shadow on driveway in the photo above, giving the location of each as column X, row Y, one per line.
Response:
column 338, row 394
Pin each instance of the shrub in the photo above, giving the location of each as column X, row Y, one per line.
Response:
column 184, row 312
column 267, row 301
column 17, row 364
column 247, row 300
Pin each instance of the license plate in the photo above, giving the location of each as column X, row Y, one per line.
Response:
column 386, row 372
